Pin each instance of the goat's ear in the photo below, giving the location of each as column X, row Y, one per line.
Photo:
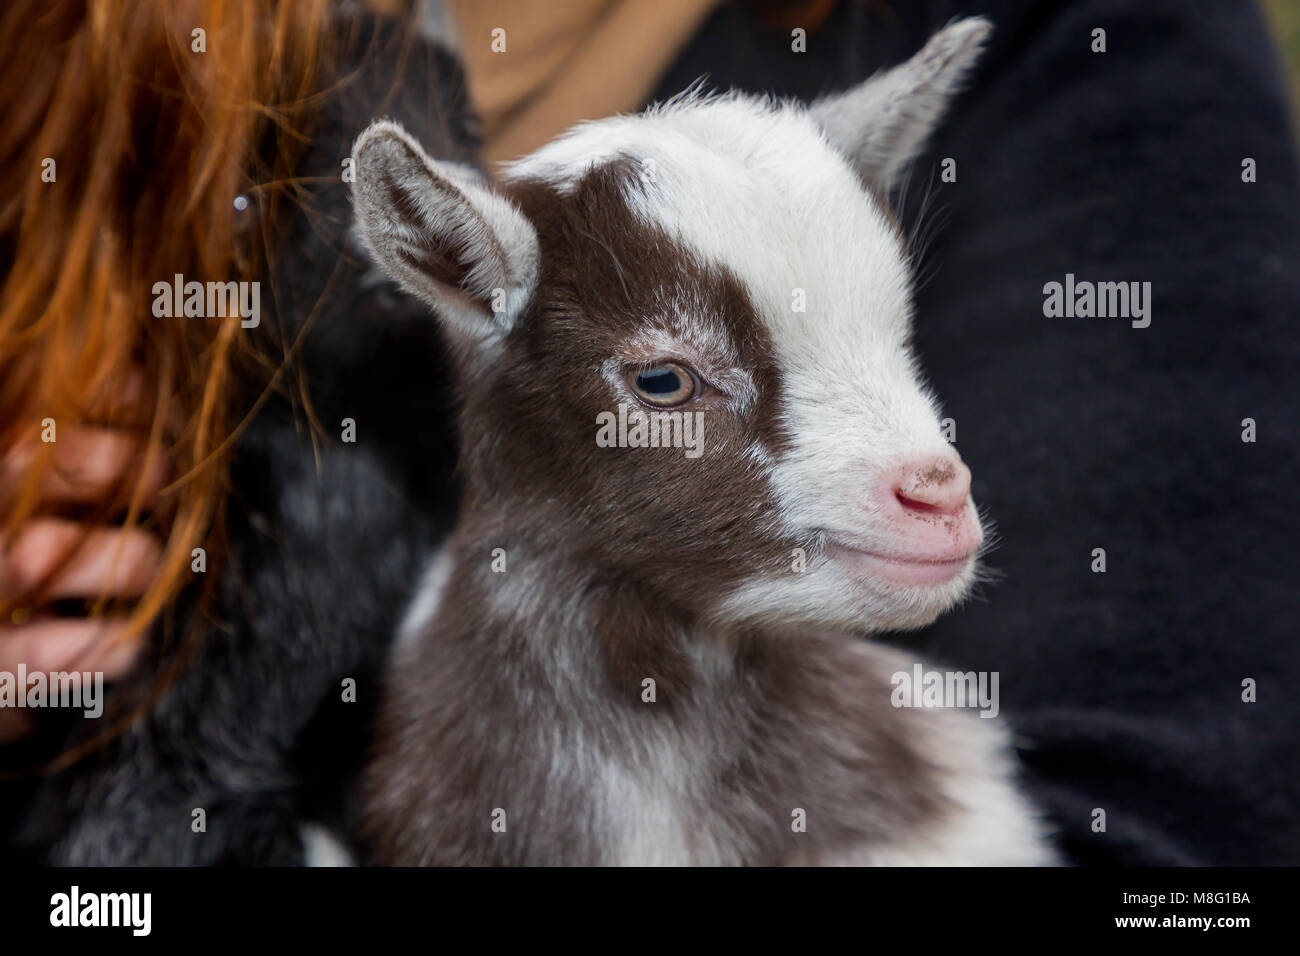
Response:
column 883, row 123
column 442, row 233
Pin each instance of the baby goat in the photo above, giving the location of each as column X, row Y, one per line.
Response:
column 641, row 654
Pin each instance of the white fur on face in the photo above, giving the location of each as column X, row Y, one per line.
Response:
column 757, row 189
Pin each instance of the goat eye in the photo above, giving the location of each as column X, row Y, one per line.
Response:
column 664, row 385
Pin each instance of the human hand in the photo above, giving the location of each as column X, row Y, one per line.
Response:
column 111, row 562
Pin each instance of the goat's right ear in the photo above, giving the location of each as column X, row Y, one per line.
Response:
column 882, row 123
column 442, row 233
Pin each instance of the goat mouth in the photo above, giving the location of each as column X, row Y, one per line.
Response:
column 908, row 569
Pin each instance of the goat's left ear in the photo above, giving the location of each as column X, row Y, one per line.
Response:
column 883, row 123
column 443, row 233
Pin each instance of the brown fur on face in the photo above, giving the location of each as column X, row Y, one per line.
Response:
column 651, row 516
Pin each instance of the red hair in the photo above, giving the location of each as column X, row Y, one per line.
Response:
column 150, row 142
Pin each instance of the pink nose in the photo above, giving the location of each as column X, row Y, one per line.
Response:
column 933, row 486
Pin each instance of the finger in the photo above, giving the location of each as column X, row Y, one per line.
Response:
column 65, row 644
column 88, row 463
column 117, row 562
